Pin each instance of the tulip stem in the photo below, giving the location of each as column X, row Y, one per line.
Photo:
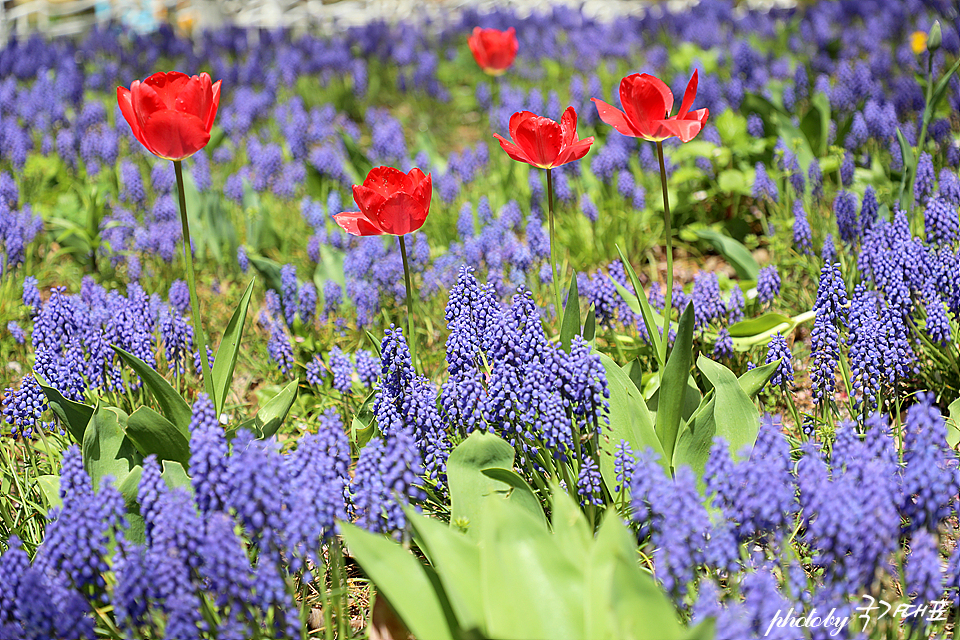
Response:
column 192, row 282
column 668, row 232
column 553, row 243
column 412, row 339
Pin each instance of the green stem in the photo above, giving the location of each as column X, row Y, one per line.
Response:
column 411, row 337
column 553, row 244
column 668, row 232
column 192, row 283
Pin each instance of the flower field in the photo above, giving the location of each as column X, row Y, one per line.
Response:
column 497, row 325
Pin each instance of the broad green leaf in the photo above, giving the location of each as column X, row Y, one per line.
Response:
column 691, row 399
column 174, row 475
column 269, row 270
column 734, row 181
column 763, row 337
column 150, row 432
column 706, row 630
column 468, row 485
column 530, row 587
column 673, row 385
column 362, row 426
column 637, row 608
column 755, row 326
column 329, row 267
column 629, row 421
column 906, row 155
column 726, row 411
column 736, row 254
column 226, row 359
column 50, row 488
column 519, row 491
column 402, row 579
column 74, row 415
column 641, row 305
column 953, row 424
column 271, row 415
column 128, row 489
column 106, row 449
column 174, row 408
column 570, row 528
column 940, row 88
column 456, row 559
column 754, row 380
column 570, row 326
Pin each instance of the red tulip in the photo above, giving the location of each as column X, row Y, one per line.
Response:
column 171, row 113
column 647, row 102
column 542, row 142
column 391, row 202
column 493, row 50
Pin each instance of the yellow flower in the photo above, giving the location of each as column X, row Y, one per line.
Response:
column 918, row 42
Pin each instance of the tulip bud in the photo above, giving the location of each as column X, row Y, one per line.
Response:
column 934, row 39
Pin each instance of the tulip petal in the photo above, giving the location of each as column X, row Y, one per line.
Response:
column 385, row 180
column 644, row 101
column 686, row 130
column 542, row 139
column 194, row 98
column 615, row 118
column 167, row 86
column 568, row 124
column 174, row 135
column 214, row 105
column 424, row 192
column 145, row 102
column 401, row 214
column 688, row 96
column 126, row 108
column 517, row 119
column 356, row 224
column 515, row 152
column 574, row 151
column 369, row 200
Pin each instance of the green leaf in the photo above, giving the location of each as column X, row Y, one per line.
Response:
column 736, row 254
column 530, row 587
column 673, row 385
column 174, row 475
column 756, row 326
column 456, row 559
column 362, row 426
column 940, row 88
column 953, row 424
column 402, row 579
column 518, row 492
column 269, row 270
column 468, row 485
column 174, row 408
column 570, row 326
column 329, row 267
column 727, row 411
column 74, row 415
column 629, row 421
column 641, row 305
column 136, row 530
column 906, row 154
column 570, row 528
column 744, row 343
column 754, row 380
column 734, row 181
column 50, row 488
column 106, row 449
column 150, row 432
column 226, row 359
column 590, row 326
column 271, row 415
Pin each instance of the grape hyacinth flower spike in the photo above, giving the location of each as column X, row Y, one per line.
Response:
column 545, row 144
column 647, row 102
column 391, row 203
column 172, row 114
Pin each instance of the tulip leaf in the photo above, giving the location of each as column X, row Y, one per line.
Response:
column 590, row 326
column 50, row 488
column 953, row 424
column 736, row 254
column 673, row 385
column 106, row 449
column 151, row 433
column 174, row 408
column 402, row 579
column 756, row 326
column 906, row 154
column 129, row 488
column 329, row 267
column 940, row 88
column 641, row 305
column 753, row 381
column 519, row 491
column 468, row 485
column 630, row 422
column 269, row 271
column 226, row 360
column 271, row 415
column 174, row 475
column 570, row 326
column 363, row 427
column 74, row 415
